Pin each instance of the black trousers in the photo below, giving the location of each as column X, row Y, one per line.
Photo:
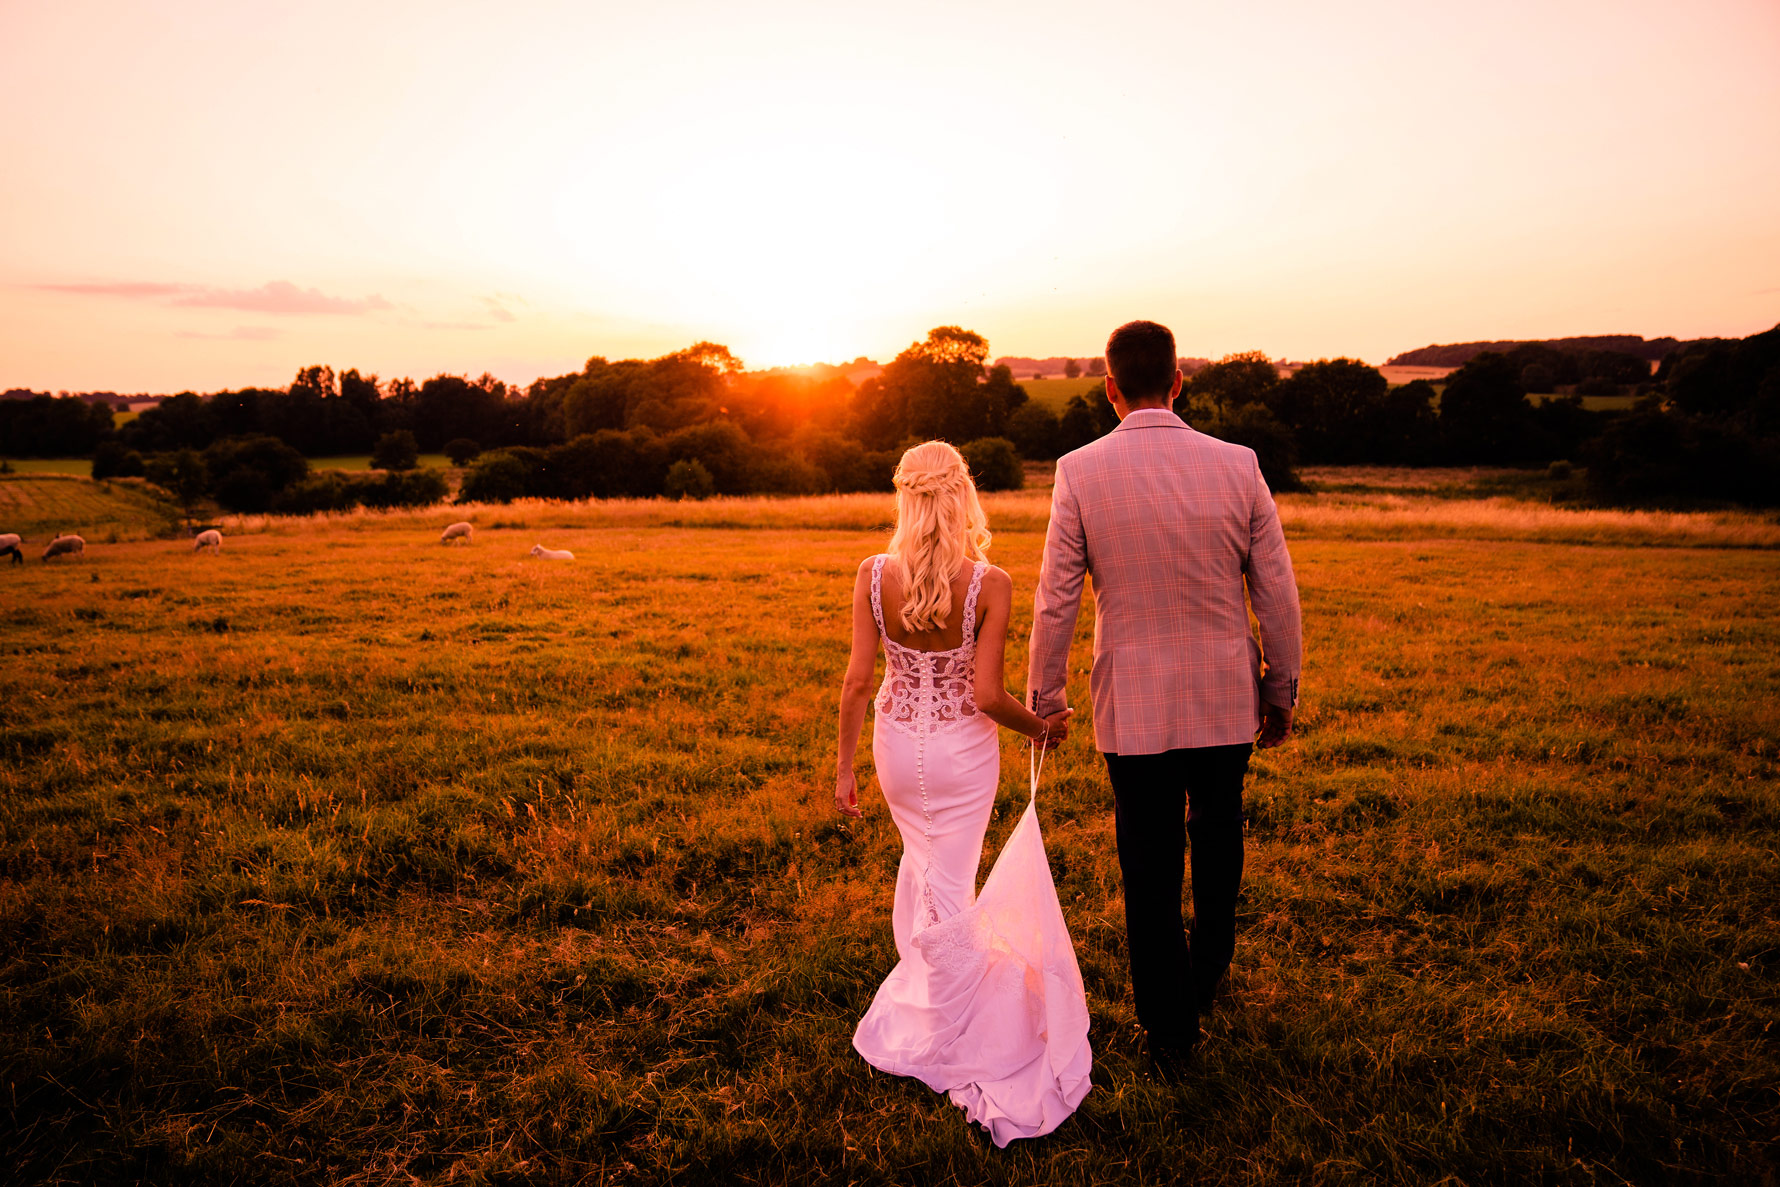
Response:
column 1174, row 974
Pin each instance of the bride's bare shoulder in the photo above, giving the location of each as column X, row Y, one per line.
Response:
column 997, row 582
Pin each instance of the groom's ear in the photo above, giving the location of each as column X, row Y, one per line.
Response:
column 1174, row 392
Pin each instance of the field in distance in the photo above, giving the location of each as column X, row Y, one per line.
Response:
column 82, row 467
column 344, row 855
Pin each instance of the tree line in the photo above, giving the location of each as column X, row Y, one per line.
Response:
column 694, row 423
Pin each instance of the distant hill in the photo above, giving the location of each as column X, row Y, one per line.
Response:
column 1057, row 365
column 1457, row 354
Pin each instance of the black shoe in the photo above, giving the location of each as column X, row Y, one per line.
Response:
column 1170, row 1062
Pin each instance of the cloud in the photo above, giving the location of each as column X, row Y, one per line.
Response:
column 238, row 334
column 121, row 289
column 497, row 310
column 278, row 296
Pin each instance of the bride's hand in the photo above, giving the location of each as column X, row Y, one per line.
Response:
column 1056, row 729
column 846, row 794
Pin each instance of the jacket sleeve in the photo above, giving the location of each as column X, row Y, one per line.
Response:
column 1056, row 602
column 1273, row 593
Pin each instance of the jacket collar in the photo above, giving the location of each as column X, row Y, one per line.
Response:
column 1151, row 418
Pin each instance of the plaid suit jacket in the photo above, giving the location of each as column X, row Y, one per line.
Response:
column 1172, row 526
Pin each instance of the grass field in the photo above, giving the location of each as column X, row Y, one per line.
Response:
column 1055, row 393
column 341, row 856
column 83, row 467
column 41, row 506
column 79, row 467
column 362, row 461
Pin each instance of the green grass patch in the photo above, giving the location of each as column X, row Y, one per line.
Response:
column 78, row 467
column 344, row 855
column 41, row 506
column 362, row 461
column 1055, row 394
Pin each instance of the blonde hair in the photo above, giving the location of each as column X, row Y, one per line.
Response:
column 939, row 525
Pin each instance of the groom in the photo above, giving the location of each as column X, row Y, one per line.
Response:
column 1174, row 527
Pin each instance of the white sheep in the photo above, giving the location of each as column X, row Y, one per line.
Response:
column 65, row 546
column 457, row 531
column 9, row 546
column 210, row 538
column 552, row 554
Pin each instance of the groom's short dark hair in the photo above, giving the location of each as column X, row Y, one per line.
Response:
column 1140, row 355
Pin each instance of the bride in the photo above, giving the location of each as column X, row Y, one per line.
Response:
column 986, row 1001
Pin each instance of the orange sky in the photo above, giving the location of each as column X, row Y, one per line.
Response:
column 200, row 195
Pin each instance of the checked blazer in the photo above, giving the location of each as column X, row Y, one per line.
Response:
column 1172, row 526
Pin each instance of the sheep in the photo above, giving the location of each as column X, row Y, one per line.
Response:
column 457, row 531
column 207, row 539
column 65, row 546
column 552, row 554
column 9, row 546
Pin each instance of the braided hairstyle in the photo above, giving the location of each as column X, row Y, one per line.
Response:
column 939, row 525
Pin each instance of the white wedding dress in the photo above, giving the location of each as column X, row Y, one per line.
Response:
column 986, row 1002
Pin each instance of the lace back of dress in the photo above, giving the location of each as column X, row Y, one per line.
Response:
column 927, row 692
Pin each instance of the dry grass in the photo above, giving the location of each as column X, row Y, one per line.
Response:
column 1326, row 516
column 345, row 857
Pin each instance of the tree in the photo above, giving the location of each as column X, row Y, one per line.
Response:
column 114, row 460
column 182, row 474
column 994, row 464
column 1337, row 408
column 1247, row 377
column 1537, row 377
column 1255, row 426
column 497, row 477
column 688, row 479
column 461, row 450
column 1072, row 369
column 1034, row 430
column 935, row 388
column 396, row 451
column 1484, row 412
column 1085, row 418
column 1097, row 367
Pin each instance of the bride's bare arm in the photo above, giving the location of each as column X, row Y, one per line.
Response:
column 855, row 693
column 996, row 603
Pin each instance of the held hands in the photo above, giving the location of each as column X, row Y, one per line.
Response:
column 846, row 793
column 1276, row 726
column 1056, row 729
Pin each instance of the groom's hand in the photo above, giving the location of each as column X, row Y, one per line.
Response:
column 1057, row 728
column 1276, row 725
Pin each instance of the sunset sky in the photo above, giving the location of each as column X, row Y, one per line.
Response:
column 205, row 195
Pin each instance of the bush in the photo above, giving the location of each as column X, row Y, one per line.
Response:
column 610, row 464
column 396, row 451
column 994, row 463
column 113, row 460
column 1655, row 456
column 1035, row 432
column 277, row 464
column 778, row 473
column 846, row 464
column 243, row 490
column 410, row 488
column 462, row 451
column 688, row 479
column 1537, row 377
column 721, row 448
column 1596, row 385
column 327, row 491
column 497, row 477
